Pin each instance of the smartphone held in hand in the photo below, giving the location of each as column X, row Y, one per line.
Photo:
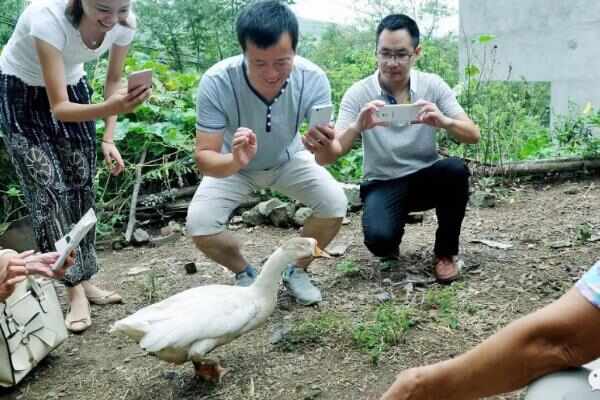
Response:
column 320, row 115
column 398, row 114
column 139, row 78
column 71, row 240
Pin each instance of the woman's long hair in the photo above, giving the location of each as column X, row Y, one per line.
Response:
column 74, row 13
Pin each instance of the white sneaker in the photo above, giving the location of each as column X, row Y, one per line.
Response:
column 296, row 280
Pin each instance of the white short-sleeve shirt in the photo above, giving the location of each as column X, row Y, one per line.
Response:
column 46, row 20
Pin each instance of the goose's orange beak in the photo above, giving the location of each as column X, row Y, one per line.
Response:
column 320, row 253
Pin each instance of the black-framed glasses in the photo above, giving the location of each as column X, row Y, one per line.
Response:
column 390, row 57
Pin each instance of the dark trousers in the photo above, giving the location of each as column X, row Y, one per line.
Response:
column 386, row 204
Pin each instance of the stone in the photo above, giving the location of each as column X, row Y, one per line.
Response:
column 280, row 333
column 279, row 216
column 352, row 191
column 266, row 207
column 302, row 214
column 190, row 268
column 337, row 250
column 140, row 236
column 253, row 217
column 236, row 220
column 383, row 297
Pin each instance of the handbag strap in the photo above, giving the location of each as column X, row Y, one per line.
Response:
column 38, row 293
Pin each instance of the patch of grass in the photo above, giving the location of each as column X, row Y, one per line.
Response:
column 348, row 268
column 151, row 286
column 313, row 331
column 583, row 233
column 389, row 325
column 445, row 301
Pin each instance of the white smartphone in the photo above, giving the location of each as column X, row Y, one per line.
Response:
column 320, row 115
column 71, row 240
column 139, row 78
column 398, row 114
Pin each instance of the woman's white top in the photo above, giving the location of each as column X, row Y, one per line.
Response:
column 46, row 20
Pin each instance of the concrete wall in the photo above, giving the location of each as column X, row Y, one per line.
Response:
column 543, row 40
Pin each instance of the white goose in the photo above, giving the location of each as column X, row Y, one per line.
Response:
column 191, row 324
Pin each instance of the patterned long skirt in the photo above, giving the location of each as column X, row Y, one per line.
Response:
column 56, row 165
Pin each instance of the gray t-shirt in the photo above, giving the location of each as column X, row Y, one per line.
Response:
column 396, row 151
column 227, row 101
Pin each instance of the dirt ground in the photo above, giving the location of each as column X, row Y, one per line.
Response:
column 541, row 220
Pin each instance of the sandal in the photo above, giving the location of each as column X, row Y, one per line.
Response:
column 78, row 325
column 101, row 297
column 106, row 298
column 445, row 269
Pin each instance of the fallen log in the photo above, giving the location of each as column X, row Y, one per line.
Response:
column 535, row 167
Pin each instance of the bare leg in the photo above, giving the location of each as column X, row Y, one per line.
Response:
column 322, row 229
column 222, row 248
column 78, row 318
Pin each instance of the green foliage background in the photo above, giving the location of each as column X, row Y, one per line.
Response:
column 181, row 39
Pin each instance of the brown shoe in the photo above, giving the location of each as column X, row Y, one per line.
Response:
column 445, row 269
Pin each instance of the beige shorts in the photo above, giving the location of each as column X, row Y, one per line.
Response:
column 301, row 179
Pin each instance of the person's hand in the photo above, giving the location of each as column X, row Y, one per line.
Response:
column 410, row 384
column 243, row 146
column 125, row 102
column 431, row 115
column 113, row 158
column 41, row 263
column 14, row 273
column 367, row 119
column 321, row 139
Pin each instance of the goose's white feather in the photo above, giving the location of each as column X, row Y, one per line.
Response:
column 192, row 323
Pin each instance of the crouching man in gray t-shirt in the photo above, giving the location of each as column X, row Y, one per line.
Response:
column 402, row 169
column 249, row 110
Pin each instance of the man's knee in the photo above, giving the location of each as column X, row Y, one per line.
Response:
column 456, row 170
column 334, row 205
column 202, row 222
column 380, row 240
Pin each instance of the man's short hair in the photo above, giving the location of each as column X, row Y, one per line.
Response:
column 264, row 22
column 394, row 22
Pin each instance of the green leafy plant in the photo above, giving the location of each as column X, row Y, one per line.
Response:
column 348, row 268
column 313, row 331
column 386, row 329
column 445, row 302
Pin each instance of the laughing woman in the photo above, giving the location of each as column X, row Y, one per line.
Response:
column 49, row 122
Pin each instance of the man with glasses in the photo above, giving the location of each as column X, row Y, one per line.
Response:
column 402, row 169
column 250, row 108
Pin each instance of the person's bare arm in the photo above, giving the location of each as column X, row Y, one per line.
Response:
column 211, row 162
column 460, row 127
column 328, row 145
column 561, row 335
column 53, row 71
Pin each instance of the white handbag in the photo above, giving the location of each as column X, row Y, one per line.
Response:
column 31, row 325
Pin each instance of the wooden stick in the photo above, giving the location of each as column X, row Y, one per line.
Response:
column 134, row 196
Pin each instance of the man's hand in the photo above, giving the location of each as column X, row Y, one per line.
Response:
column 321, row 139
column 431, row 115
column 243, row 146
column 367, row 118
